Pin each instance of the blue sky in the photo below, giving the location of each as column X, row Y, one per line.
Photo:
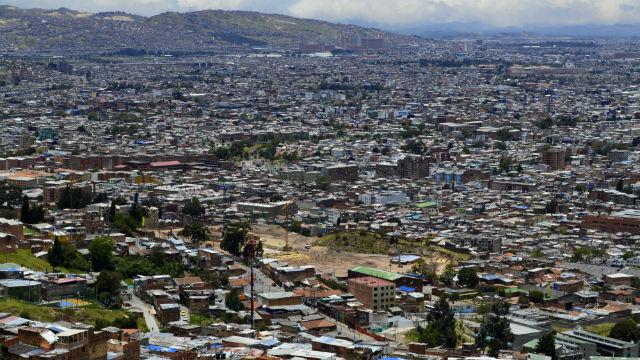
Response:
column 392, row 13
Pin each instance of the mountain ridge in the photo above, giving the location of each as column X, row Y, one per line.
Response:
column 67, row 29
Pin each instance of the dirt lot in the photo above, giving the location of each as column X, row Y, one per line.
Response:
column 325, row 260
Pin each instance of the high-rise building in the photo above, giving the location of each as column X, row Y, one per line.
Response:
column 554, row 158
column 373, row 293
column 413, row 167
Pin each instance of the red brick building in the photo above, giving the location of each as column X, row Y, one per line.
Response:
column 373, row 293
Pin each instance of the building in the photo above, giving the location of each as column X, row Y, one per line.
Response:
column 605, row 345
column 622, row 221
column 25, row 141
column 281, row 298
column 57, row 341
column 26, row 290
column 268, row 210
column 168, row 312
column 12, row 227
column 398, row 279
column 65, row 288
column 554, row 158
column 8, row 243
column 341, row 172
column 373, row 293
column 413, row 167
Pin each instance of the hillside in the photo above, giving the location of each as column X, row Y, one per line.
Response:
column 63, row 29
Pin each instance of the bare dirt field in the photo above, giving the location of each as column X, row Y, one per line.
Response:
column 325, row 260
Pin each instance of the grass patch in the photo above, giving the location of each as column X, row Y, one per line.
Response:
column 29, row 231
column 24, row 258
column 412, row 336
column 367, row 242
column 450, row 253
column 201, row 320
column 601, row 329
column 91, row 314
column 142, row 324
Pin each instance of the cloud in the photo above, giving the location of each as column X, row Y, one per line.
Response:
column 494, row 12
column 388, row 12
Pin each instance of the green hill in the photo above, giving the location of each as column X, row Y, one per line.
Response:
column 60, row 29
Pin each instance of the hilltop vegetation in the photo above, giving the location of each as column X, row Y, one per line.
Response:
column 91, row 314
column 42, row 30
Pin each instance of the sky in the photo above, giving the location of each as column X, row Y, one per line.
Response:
column 386, row 13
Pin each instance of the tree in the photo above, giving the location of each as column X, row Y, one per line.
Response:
column 505, row 164
column 136, row 211
column 620, row 185
column 545, row 123
column 468, row 277
column 101, row 250
column 441, row 320
column 503, row 134
column 421, row 267
column 547, row 345
column 25, row 210
column 108, row 287
column 252, row 251
column 112, row 212
column 551, row 207
column 125, row 223
column 193, row 208
column 448, row 275
column 74, row 198
column 323, row 183
column 536, row 297
column 31, row 215
column 626, row 330
column 232, row 301
column 234, row 238
column 495, row 332
column 10, row 196
column 196, row 232
column 64, row 254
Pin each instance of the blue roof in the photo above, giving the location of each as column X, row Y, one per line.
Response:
column 66, row 304
column 269, row 342
column 406, row 289
column 160, row 348
column 490, row 277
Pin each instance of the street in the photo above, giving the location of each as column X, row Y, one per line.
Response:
column 149, row 318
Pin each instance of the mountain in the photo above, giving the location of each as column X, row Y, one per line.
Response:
column 69, row 30
column 462, row 29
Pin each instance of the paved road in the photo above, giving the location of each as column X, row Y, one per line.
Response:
column 151, row 321
column 261, row 283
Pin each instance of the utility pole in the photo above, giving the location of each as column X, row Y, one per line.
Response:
column 253, row 243
column 253, row 320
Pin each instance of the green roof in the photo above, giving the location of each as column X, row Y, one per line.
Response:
column 386, row 275
column 427, row 204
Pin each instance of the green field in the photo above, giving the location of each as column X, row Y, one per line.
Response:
column 24, row 258
column 88, row 315
column 601, row 329
column 368, row 242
